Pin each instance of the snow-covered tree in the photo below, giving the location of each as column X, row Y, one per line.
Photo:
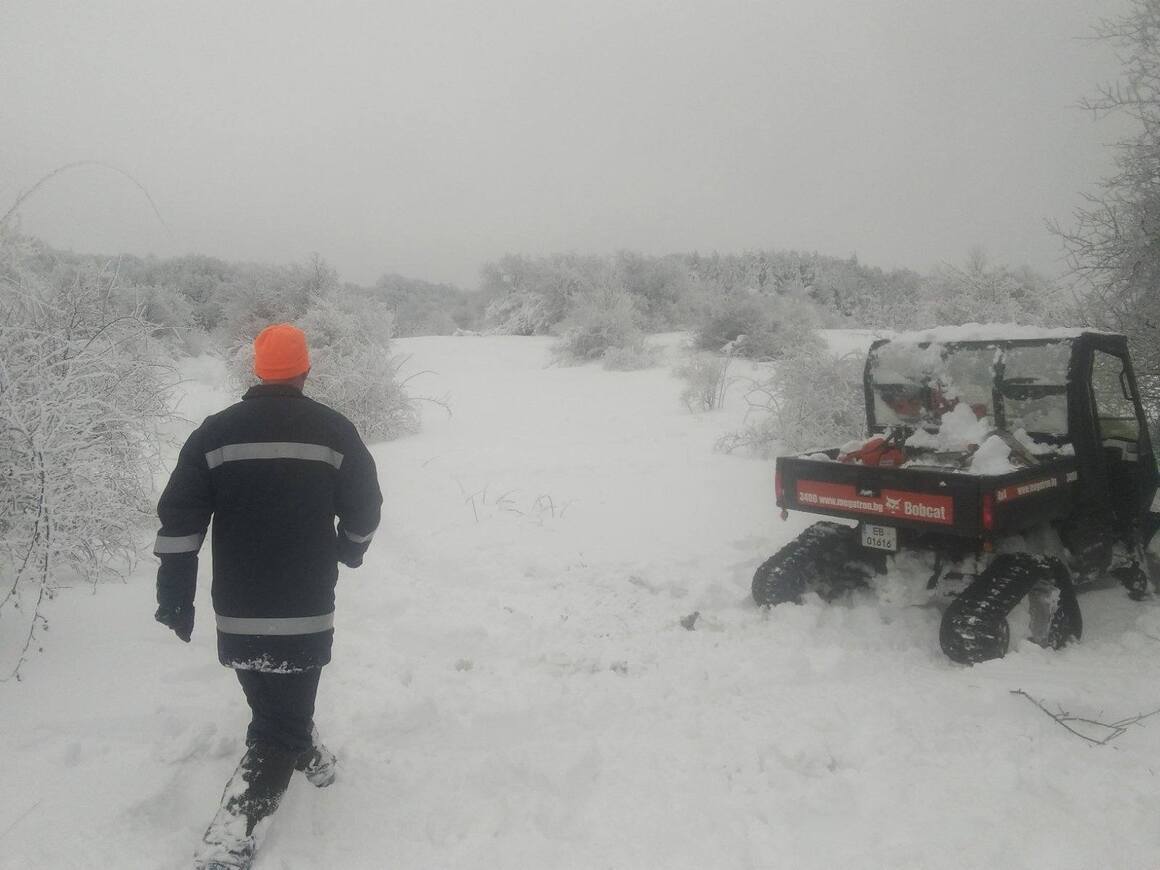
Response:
column 1114, row 240
column 530, row 296
column 83, row 399
column 662, row 288
column 268, row 295
column 982, row 292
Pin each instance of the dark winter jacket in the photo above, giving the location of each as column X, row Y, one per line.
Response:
column 274, row 471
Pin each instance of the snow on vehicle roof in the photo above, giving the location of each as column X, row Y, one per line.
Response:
column 989, row 332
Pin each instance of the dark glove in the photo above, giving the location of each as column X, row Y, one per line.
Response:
column 178, row 617
column 350, row 553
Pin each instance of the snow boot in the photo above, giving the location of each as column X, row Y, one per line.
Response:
column 222, row 850
column 251, row 795
column 318, row 763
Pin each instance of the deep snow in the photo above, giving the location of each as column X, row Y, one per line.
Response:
column 513, row 686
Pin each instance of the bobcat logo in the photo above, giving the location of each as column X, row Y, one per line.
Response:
column 894, row 505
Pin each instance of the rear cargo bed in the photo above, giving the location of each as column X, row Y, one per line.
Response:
column 932, row 500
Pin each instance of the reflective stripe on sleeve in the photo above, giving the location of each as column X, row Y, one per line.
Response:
column 177, row 543
column 358, row 539
column 273, row 450
column 275, row 625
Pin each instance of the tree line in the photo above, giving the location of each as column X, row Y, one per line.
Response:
column 755, row 301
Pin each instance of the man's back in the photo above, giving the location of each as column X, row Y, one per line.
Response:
column 277, row 461
column 274, row 470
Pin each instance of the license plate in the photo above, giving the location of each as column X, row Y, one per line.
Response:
column 880, row 537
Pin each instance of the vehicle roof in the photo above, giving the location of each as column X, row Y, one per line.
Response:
column 991, row 332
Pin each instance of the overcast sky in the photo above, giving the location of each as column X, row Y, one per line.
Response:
column 426, row 137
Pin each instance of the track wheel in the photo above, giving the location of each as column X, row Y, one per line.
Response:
column 826, row 558
column 974, row 627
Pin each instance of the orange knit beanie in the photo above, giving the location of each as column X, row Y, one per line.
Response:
column 280, row 353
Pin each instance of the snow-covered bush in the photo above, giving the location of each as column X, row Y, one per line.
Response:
column 266, row 295
column 519, row 314
column 165, row 307
column 811, row 399
column 631, row 359
column 82, row 403
column 604, row 319
column 982, row 292
column 728, row 318
column 532, row 296
column 756, row 326
column 423, row 308
column 352, row 368
column 354, row 372
column 706, row 378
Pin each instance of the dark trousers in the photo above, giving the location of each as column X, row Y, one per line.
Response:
column 282, row 706
column 279, row 734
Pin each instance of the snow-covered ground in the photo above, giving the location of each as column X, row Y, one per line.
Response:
column 514, row 684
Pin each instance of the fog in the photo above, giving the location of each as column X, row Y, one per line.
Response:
column 426, row 138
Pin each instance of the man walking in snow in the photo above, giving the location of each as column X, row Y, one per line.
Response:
column 274, row 471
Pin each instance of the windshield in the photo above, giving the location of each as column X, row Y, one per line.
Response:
column 915, row 385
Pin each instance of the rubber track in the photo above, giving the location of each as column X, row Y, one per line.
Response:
column 974, row 627
column 823, row 559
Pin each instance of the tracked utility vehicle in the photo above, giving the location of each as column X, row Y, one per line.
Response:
column 1018, row 460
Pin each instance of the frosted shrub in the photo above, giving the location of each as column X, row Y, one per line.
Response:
column 604, row 319
column 82, row 403
column 422, row 308
column 519, row 314
column 980, row 292
column 756, row 326
column 706, row 379
column 354, row 372
column 352, row 369
column 532, row 296
column 166, row 308
column 811, row 399
column 195, row 342
column 729, row 318
column 276, row 294
column 631, row 359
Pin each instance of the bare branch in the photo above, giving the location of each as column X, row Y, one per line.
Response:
column 1111, row 730
column 20, row 200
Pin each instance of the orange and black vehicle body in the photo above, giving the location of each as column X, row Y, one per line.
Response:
column 927, row 501
column 1107, row 475
column 1074, row 502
